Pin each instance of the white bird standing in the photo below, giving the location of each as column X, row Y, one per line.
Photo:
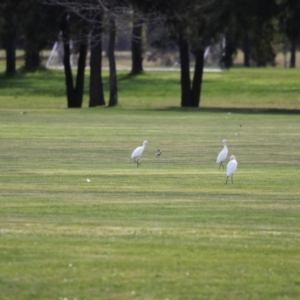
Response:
column 222, row 155
column 136, row 154
column 231, row 168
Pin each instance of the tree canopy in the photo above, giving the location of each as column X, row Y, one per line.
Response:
column 192, row 25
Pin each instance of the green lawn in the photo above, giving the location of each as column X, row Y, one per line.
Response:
column 170, row 229
column 269, row 88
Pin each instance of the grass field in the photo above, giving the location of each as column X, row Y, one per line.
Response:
column 267, row 88
column 170, row 229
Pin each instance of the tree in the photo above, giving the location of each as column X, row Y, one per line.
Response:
column 74, row 93
column 113, row 90
column 36, row 15
column 193, row 24
column 29, row 23
column 96, row 86
column 250, row 26
column 137, row 43
column 9, row 11
column 289, row 21
column 91, row 13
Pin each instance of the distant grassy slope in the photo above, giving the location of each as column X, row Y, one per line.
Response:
column 236, row 88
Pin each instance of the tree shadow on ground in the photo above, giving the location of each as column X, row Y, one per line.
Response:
column 230, row 110
column 33, row 84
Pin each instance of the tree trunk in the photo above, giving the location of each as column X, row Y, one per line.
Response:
column 71, row 97
column 293, row 54
column 184, row 72
column 68, row 74
column 10, row 45
column 247, row 50
column 113, row 97
column 79, row 89
column 197, row 80
column 96, row 86
column 32, row 60
column 137, row 45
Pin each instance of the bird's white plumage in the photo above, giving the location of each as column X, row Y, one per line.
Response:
column 139, row 150
column 223, row 154
column 231, row 167
column 136, row 154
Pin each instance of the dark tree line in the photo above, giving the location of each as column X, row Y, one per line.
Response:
column 191, row 25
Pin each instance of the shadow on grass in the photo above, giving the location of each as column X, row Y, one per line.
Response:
column 230, row 110
column 131, row 75
column 41, row 82
column 146, row 77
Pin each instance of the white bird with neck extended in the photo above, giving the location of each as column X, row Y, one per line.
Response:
column 231, row 168
column 137, row 153
column 222, row 155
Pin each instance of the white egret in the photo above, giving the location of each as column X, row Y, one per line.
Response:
column 222, row 155
column 158, row 153
column 136, row 154
column 231, row 168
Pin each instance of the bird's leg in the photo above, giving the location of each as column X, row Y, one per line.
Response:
column 137, row 162
column 231, row 179
column 222, row 164
column 226, row 179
